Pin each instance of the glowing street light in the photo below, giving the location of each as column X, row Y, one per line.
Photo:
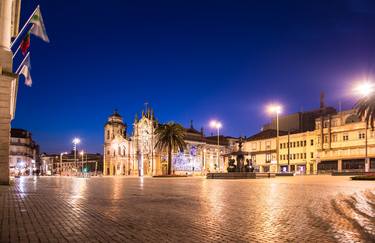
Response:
column 217, row 125
column 364, row 89
column 276, row 109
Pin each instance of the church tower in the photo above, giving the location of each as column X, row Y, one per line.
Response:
column 114, row 129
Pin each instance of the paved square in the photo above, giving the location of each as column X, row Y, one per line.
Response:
column 116, row 209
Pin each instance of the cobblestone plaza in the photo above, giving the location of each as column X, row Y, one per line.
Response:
column 117, row 209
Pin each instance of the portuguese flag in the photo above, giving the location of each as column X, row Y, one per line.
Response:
column 38, row 29
column 25, row 44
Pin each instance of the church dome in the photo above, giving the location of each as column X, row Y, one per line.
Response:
column 115, row 118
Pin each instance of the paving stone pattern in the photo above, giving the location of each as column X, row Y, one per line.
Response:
column 118, row 209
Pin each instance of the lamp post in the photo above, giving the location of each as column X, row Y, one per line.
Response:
column 61, row 155
column 82, row 153
column 364, row 90
column 275, row 108
column 76, row 141
column 217, row 125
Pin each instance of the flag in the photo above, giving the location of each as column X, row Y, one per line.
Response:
column 38, row 29
column 25, row 71
column 25, row 44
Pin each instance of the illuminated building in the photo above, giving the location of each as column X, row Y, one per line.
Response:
column 135, row 154
column 24, row 153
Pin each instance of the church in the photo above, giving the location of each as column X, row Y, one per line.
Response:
column 134, row 154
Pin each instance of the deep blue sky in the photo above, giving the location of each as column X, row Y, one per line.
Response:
column 190, row 60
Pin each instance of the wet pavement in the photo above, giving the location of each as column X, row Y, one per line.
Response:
column 117, row 209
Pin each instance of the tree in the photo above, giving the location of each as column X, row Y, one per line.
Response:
column 366, row 109
column 170, row 136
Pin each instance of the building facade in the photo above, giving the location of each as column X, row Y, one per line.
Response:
column 136, row 154
column 343, row 142
column 69, row 164
column 338, row 143
column 24, row 153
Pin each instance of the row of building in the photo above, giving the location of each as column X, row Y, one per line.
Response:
column 318, row 141
column 25, row 158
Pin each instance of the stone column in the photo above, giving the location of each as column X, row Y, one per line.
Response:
column 339, row 165
column 6, row 88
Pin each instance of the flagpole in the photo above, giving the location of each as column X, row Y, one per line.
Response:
column 20, row 66
column 15, row 53
column 23, row 28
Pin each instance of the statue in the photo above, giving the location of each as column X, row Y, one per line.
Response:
column 231, row 166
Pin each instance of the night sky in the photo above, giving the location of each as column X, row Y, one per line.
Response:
column 190, row 60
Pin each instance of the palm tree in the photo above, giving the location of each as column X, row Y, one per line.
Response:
column 170, row 136
column 366, row 109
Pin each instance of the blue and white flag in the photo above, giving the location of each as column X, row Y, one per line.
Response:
column 25, row 71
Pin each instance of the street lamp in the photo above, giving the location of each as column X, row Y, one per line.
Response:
column 364, row 90
column 276, row 109
column 61, row 160
column 217, row 125
column 76, row 141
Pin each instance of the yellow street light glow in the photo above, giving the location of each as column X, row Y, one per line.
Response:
column 275, row 108
column 82, row 153
column 364, row 89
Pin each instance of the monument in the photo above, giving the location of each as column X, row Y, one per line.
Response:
column 237, row 169
column 9, row 25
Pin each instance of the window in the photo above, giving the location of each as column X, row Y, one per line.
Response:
column 108, row 152
column 345, row 137
column 325, row 139
column 304, row 143
column 318, row 139
column 268, row 145
column 325, row 124
column 281, row 157
column 297, row 156
column 312, row 142
column 334, row 137
column 268, row 158
column 294, row 156
column 281, row 145
column 297, row 143
column 108, row 134
column 304, row 155
column 294, row 144
column 361, row 135
column 311, row 155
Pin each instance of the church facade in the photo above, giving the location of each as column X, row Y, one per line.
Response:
column 135, row 154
